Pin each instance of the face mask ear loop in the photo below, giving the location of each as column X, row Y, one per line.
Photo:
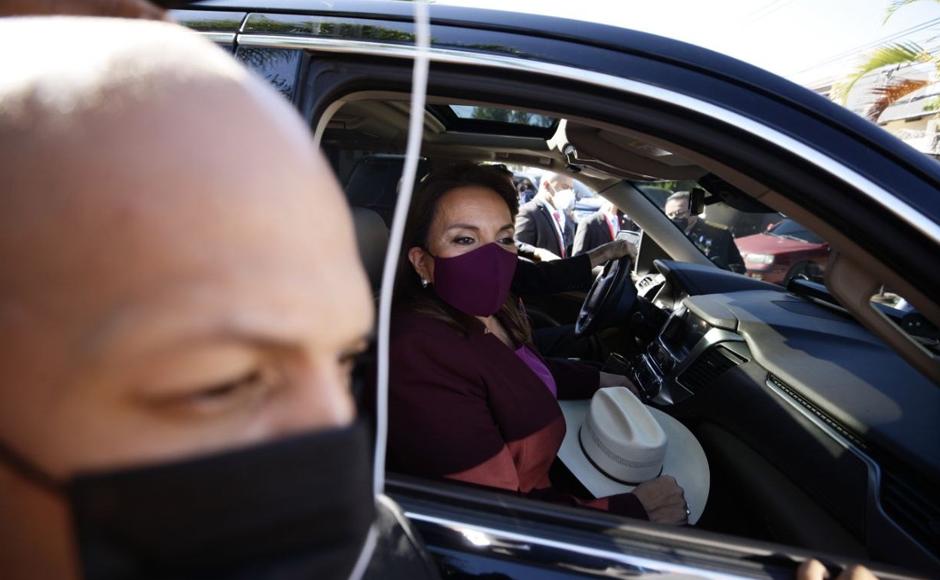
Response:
column 28, row 470
column 365, row 556
column 419, row 84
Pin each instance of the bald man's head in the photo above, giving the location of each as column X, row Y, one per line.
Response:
column 179, row 271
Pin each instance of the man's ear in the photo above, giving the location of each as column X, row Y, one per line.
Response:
column 422, row 262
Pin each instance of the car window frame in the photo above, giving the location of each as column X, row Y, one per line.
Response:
column 323, row 120
column 308, row 46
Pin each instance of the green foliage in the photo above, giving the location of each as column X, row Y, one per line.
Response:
column 896, row 5
column 933, row 104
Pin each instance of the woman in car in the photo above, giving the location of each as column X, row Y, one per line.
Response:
column 470, row 399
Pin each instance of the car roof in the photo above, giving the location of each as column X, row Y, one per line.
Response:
column 625, row 40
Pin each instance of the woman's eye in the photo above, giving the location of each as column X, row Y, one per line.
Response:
column 464, row 240
column 507, row 241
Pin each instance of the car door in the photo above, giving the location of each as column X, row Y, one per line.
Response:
column 826, row 165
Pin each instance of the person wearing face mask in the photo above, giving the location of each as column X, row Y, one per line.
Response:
column 554, row 275
column 543, row 227
column 470, row 399
column 174, row 377
column 714, row 241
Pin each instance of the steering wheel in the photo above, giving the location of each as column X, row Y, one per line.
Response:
column 611, row 298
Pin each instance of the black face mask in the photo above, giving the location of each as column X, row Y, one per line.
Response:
column 300, row 507
column 682, row 223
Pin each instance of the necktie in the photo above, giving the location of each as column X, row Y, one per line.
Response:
column 561, row 235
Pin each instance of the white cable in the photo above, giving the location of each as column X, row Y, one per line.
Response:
column 419, row 85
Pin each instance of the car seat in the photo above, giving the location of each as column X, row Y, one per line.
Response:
column 373, row 183
column 372, row 240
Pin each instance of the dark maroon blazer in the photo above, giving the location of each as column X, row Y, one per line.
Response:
column 465, row 407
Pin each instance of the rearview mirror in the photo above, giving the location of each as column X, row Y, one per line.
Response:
column 697, row 201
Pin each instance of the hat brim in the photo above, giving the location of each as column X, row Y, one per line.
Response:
column 685, row 459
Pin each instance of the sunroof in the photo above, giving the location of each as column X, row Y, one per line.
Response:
column 494, row 120
column 501, row 115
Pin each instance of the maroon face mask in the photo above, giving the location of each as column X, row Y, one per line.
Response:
column 475, row 283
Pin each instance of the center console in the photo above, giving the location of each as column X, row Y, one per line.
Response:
column 660, row 372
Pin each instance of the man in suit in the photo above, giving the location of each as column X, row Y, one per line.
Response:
column 714, row 241
column 542, row 227
column 600, row 228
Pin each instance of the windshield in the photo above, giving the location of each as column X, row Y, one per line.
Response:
column 759, row 244
column 769, row 246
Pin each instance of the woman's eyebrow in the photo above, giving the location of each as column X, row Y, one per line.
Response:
column 507, row 227
column 462, row 227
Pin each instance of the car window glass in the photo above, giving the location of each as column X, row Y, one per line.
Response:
column 525, row 178
column 903, row 314
column 767, row 246
column 788, row 228
column 502, row 115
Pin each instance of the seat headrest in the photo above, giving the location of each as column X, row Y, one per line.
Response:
column 373, row 182
column 372, row 239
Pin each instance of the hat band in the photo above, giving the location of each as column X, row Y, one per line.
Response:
column 601, row 469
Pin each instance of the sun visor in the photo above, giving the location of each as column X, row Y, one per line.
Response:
column 624, row 155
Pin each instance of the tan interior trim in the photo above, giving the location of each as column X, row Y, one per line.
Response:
column 847, row 280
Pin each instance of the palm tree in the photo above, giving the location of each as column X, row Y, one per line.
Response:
column 896, row 5
column 899, row 55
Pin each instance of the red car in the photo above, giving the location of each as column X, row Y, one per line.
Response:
column 784, row 251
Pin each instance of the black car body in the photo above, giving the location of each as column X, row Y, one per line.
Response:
column 818, row 411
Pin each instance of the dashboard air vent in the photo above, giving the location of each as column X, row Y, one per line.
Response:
column 914, row 504
column 707, row 367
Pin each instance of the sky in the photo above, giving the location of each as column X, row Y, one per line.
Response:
column 807, row 41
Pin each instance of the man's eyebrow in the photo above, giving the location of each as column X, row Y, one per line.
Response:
column 182, row 335
column 174, row 333
column 363, row 341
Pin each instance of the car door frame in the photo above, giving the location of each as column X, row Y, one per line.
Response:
column 406, row 493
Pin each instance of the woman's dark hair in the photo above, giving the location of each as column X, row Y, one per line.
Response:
column 408, row 291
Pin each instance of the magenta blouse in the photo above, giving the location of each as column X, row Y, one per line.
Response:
column 538, row 367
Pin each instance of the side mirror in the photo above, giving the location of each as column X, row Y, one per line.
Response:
column 697, row 201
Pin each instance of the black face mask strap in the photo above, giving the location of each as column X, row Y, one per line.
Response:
column 28, row 470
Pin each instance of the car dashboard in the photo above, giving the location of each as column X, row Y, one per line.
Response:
column 808, row 389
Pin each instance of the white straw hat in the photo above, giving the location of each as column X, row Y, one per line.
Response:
column 614, row 442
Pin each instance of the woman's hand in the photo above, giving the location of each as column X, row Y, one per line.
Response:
column 545, row 255
column 612, row 380
column 663, row 500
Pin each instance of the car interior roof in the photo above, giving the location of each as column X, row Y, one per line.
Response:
column 596, row 156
